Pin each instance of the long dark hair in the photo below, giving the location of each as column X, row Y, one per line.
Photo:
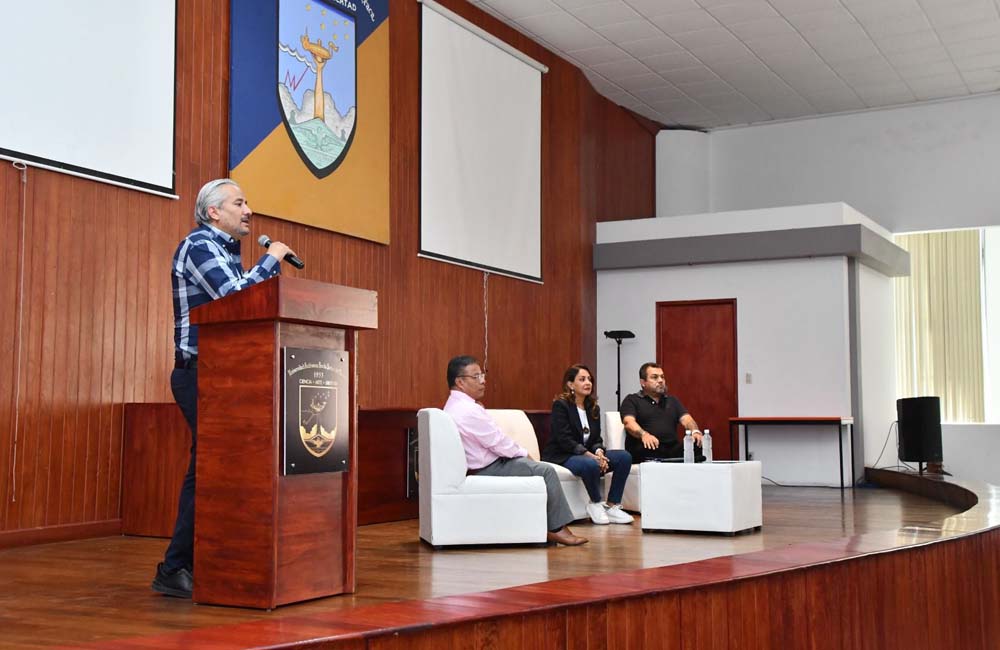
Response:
column 589, row 402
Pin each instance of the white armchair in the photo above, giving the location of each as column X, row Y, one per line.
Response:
column 460, row 509
column 516, row 425
column 614, row 438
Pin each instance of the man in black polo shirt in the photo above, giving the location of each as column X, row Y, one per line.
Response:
column 651, row 417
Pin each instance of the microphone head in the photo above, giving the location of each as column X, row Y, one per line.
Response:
column 619, row 334
column 264, row 241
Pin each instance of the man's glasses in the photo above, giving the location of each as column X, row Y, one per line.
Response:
column 479, row 376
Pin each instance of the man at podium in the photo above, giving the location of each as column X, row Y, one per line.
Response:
column 206, row 266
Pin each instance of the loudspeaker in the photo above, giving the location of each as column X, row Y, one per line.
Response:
column 919, row 429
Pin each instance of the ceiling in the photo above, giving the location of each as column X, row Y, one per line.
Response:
column 715, row 63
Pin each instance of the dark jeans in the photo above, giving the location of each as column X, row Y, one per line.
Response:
column 619, row 462
column 180, row 552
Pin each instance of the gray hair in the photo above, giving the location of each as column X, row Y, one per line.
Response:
column 210, row 196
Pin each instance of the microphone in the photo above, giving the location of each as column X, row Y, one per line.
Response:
column 265, row 241
column 619, row 334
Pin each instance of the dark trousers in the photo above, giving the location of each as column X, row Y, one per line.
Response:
column 180, row 552
column 557, row 511
column 619, row 462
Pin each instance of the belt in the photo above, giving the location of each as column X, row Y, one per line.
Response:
column 184, row 364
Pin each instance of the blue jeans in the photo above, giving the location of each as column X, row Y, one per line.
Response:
column 619, row 462
column 180, row 552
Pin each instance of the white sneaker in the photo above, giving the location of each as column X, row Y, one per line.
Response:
column 616, row 515
column 597, row 513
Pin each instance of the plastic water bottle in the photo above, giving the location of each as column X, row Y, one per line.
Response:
column 688, row 446
column 706, row 446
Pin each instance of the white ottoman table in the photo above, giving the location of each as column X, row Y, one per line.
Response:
column 722, row 496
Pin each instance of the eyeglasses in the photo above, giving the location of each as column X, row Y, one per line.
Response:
column 479, row 376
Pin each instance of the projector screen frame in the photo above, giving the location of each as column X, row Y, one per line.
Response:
column 542, row 69
column 41, row 162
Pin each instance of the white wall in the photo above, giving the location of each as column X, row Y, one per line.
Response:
column 682, row 173
column 925, row 167
column 792, row 337
column 971, row 451
column 740, row 221
column 877, row 353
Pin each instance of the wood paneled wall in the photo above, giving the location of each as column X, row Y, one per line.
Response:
column 86, row 294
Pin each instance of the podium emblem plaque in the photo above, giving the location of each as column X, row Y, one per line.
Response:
column 315, row 421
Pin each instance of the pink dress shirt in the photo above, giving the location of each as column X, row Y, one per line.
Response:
column 481, row 437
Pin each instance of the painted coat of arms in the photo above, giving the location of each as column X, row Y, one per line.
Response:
column 309, row 112
column 317, row 81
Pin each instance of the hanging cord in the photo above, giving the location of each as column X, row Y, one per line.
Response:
column 486, row 320
column 23, row 168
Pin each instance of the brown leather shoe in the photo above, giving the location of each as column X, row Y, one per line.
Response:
column 566, row 537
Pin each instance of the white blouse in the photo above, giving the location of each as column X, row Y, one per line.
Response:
column 584, row 424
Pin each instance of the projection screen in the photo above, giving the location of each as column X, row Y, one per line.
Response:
column 480, row 156
column 89, row 89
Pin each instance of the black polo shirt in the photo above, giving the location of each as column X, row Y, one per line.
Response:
column 659, row 418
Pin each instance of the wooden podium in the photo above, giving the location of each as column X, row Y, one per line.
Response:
column 265, row 536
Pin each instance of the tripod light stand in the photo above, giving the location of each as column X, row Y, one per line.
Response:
column 618, row 336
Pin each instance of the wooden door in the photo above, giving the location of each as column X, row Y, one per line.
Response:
column 696, row 343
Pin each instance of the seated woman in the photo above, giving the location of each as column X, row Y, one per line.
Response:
column 575, row 443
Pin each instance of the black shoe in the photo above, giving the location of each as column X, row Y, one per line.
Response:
column 177, row 583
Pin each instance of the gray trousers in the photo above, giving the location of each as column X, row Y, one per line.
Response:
column 557, row 511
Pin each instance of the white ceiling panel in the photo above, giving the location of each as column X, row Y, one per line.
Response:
column 980, row 46
column 517, row 9
column 605, row 14
column 970, row 32
column 926, row 70
column 705, row 88
column 762, row 28
column 982, row 81
column 927, row 56
column 651, row 46
column 645, row 82
column 563, row 31
column 743, row 12
column 710, row 63
column 616, row 70
column 632, row 30
column 576, row 4
column 602, row 54
column 714, row 55
column 654, row 8
column 706, row 38
column 671, row 61
column 895, row 26
column 822, row 19
column 690, row 75
column 908, row 42
column 685, row 21
column 664, row 93
column 788, row 7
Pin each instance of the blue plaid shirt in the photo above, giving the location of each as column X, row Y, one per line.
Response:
column 207, row 266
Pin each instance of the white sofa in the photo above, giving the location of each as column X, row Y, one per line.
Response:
column 517, row 426
column 614, row 438
column 460, row 509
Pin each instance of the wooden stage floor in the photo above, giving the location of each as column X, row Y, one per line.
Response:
column 92, row 590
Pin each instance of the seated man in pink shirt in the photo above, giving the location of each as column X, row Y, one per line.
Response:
column 488, row 451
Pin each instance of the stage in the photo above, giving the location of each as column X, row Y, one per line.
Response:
column 94, row 592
